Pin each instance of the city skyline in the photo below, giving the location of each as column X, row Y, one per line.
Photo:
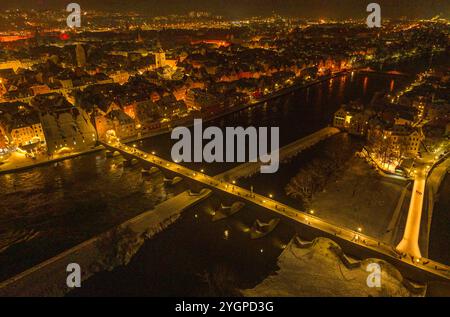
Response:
column 331, row 9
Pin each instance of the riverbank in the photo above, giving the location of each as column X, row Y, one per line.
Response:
column 30, row 163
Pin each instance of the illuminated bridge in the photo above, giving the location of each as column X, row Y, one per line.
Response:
column 352, row 242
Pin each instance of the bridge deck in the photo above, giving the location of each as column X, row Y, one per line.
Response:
column 437, row 269
column 286, row 152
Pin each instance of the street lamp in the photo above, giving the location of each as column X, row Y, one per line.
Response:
column 359, row 229
column 311, row 212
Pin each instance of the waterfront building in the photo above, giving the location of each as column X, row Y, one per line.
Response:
column 123, row 125
column 20, row 125
column 352, row 119
column 67, row 128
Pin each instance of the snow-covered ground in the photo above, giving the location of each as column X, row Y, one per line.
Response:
column 359, row 198
column 318, row 270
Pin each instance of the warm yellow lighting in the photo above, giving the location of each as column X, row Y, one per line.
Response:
column 359, row 229
column 348, row 119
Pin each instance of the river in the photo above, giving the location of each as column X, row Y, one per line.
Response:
column 45, row 210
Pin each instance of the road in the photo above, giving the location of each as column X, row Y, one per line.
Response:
column 231, row 188
column 410, row 241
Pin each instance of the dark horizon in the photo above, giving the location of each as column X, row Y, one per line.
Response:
column 335, row 9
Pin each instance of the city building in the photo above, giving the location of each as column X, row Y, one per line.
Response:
column 352, row 119
column 67, row 128
column 20, row 126
column 199, row 99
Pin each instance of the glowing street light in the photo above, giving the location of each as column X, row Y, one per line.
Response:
column 359, row 229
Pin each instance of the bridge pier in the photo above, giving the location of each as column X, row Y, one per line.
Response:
column 112, row 153
column 128, row 162
column 194, row 187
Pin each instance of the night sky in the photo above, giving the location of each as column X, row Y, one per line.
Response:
column 241, row 8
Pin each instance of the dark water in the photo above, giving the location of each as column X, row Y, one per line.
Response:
column 49, row 209
column 197, row 257
column 46, row 210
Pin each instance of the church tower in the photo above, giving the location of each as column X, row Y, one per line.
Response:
column 160, row 56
